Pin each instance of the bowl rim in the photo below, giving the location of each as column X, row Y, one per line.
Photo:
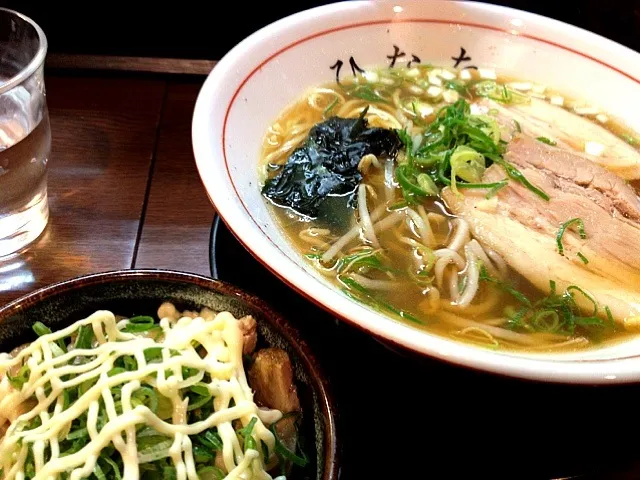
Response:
column 318, row 380
column 583, row 371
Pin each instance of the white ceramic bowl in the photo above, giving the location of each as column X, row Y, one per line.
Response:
column 266, row 72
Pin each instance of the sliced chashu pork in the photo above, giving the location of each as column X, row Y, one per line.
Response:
column 522, row 227
column 570, row 131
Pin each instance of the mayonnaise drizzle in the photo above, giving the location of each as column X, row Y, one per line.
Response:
column 221, row 339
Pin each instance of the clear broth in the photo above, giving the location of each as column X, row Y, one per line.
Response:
column 408, row 293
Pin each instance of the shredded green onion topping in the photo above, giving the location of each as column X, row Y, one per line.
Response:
column 456, row 149
column 563, row 228
column 558, row 312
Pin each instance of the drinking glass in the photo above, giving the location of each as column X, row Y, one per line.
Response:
column 25, row 133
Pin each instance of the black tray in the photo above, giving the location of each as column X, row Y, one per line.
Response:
column 403, row 416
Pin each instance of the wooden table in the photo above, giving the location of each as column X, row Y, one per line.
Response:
column 124, row 191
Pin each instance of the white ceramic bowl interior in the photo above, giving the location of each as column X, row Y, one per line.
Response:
column 270, row 69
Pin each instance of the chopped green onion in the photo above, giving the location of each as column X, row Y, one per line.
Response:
column 563, row 228
column 248, row 429
column 488, row 126
column 140, row 327
column 586, row 295
column 366, row 92
column 456, row 148
column 516, row 320
column 505, row 287
column 491, row 89
column 493, row 191
column 200, row 389
column 147, row 396
column 66, row 398
column 85, row 337
column 517, row 175
column 427, row 184
column 97, row 471
column 250, row 443
column 169, row 473
column 204, row 398
column 130, row 363
column 17, row 381
column 155, row 448
column 142, row 320
column 458, row 86
column 330, row 106
column 397, row 206
column 153, row 353
column 557, row 313
column 189, row 372
column 584, row 259
column 114, row 467
column 29, row 468
column 467, row 164
column 548, row 141
column 141, row 323
column 41, row 329
column 363, row 295
column 406, row 139
column 368, row 259
column 546, row 321
column 202, row 454
column 609, row 316
column 80, row 433
column 409, row 184
column 265, row 450
column 282, row 451
column 441, row 175
column 210, row 439
column 210, row 472
column 517, row 125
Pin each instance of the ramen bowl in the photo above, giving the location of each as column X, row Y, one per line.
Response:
column 266, row 72
column 140, row 292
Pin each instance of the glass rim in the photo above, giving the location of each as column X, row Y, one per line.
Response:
column 36, row 61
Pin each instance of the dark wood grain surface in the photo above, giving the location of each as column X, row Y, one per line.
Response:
column 104, row 134
column 178, row 217
column 130, row 64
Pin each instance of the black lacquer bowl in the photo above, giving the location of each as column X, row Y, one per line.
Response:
column 140, row 292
